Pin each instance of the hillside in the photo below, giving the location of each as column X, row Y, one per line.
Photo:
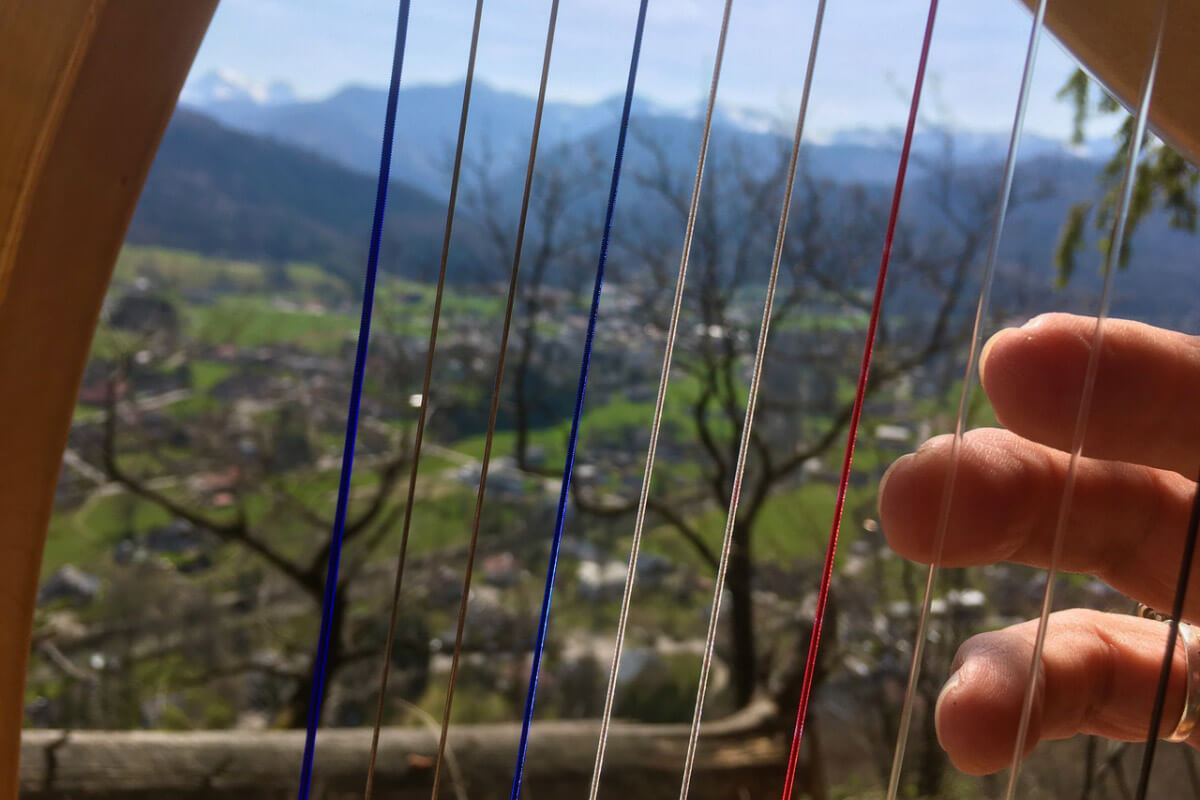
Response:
column 345, row 127
column 229, row 193
column 220, row 192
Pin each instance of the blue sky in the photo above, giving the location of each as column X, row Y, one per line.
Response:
column 868, row 54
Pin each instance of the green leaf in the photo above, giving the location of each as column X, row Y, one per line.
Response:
column 1070, row 242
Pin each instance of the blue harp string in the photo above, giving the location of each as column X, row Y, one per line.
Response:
column 321, row 660
column 573, row 439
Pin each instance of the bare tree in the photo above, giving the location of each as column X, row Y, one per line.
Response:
column 833, row 245
column 256, row 505
column 560, row 236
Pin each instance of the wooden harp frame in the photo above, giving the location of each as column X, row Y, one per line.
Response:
column 86, row 90
column 1111, row 39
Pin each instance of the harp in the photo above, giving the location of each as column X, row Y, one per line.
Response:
column 86, row 90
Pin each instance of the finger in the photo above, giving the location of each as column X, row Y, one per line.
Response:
column 1127, row 523
column 1143, row 408
column 1098, row 675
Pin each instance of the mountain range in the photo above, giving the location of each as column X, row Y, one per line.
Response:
column 345, row 128
column 249, row 171
column 221, row 192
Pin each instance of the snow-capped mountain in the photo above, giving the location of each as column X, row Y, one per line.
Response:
column 345, row 127
column 225, row 86
column 968, row 146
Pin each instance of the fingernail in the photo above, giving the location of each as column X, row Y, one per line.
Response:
column 928, row 443
column 951, row 684
column 983, row 354
column 1036, row 322
column 888, row 474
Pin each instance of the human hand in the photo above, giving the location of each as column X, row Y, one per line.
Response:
column 1129, row 516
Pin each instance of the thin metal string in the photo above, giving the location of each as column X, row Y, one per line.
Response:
column 1089, row 385
column 494, row 410
column 356, row 389
column 656, row 424
column 581, row 391
column 860, row 394
column 760, row 352
column 423, row 414
column 964, row 400
column 1164, row 677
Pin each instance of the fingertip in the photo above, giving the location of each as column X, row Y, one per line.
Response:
column 978, row 713
column 897, row 466
column 1033, row 374
column 984, row 356
column 908, row 495
column 1009, row 336
column 1043, row 319
column 997, row 358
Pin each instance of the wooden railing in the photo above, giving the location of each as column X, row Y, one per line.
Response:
column 739, row 757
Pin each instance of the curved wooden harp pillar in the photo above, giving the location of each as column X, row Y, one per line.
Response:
column 86, row 90
column 1111, row 39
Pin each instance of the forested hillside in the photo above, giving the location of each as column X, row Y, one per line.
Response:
column 220, row 192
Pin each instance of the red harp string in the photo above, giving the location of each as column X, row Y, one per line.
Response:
column 814, row 642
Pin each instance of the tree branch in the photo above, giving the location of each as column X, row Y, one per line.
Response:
column 236, row 531
column 666, row 510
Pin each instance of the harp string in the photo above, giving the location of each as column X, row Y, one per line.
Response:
column 423, row 413
column 814, row 641
column 494, row 410
column 964, row 402
column 1164, row 677
column 576, row 418
column 356, row 390
column 751, row 402
column 359, row 372
column 1116, row 244
column 656, row 423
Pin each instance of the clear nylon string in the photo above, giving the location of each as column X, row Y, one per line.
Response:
column 656, row 423
column 964, row 401
column 689, row 763
column 423, row 414
column 494, row 411
column 1089, row 384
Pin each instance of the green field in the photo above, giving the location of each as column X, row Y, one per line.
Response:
column 239, row 307
column 256, row 321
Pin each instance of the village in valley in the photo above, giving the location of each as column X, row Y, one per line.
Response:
column 185, row 564
column 200, row 473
